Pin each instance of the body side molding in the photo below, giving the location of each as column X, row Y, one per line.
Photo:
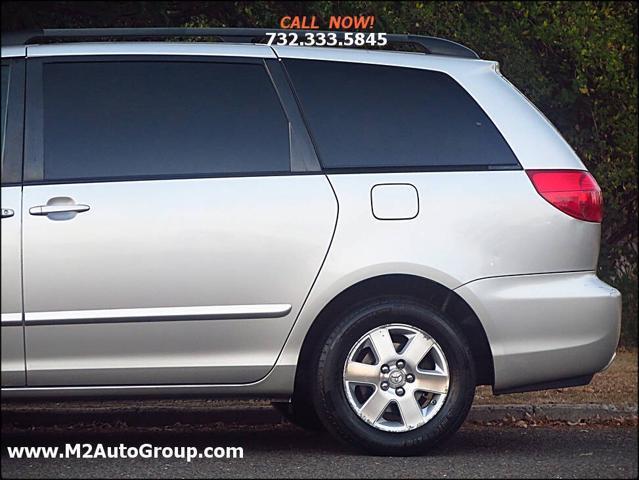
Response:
column 125, row 315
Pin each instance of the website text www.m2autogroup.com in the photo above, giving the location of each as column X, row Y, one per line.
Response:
column 121, row 451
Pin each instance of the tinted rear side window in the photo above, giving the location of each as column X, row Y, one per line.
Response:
column 364, row 116
column 141, row 118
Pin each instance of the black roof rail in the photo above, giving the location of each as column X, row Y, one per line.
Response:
column 432, row 45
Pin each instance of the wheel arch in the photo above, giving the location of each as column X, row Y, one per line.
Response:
column 437, row 295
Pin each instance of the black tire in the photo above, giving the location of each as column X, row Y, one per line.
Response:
column 328, row 392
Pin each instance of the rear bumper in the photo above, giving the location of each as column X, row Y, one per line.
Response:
column 546, row 329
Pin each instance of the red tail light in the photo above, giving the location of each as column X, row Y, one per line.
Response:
column 572, row 191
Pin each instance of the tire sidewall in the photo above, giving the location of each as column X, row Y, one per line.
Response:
column 339, row 416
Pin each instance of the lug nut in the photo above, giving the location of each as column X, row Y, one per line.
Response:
column 385, row 368
column 384, row 386
column 410, row 378
column 400, row 364
column 400, row 391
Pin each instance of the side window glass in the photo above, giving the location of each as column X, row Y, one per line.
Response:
column 127, row 119
column 374, row 116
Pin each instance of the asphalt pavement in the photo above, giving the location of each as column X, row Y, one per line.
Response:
column 282, row 450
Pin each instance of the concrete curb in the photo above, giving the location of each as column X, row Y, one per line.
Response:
column 552, row 412
column 261, row 413
column 141, row 416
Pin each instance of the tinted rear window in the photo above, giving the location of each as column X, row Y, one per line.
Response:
column 364, row 116
column 137, row 118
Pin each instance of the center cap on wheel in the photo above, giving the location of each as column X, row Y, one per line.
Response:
column 397, row 378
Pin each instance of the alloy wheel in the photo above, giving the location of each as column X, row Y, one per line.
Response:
column 396, row 378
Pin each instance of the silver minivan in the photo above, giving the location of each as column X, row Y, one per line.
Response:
column 364, row 235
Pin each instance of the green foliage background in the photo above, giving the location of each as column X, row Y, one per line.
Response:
column 577, row 61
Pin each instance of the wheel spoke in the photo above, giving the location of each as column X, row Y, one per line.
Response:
column 431, row 381
column 417, row 348
column 411, row 411
column 383, row 345
column 375, row 406
column 361, row 373
column 396, row 377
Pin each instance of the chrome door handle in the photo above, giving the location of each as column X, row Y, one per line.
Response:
column 48, row 209
column 7, row 212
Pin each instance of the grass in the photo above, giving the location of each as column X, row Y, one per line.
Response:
column 616, row 386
